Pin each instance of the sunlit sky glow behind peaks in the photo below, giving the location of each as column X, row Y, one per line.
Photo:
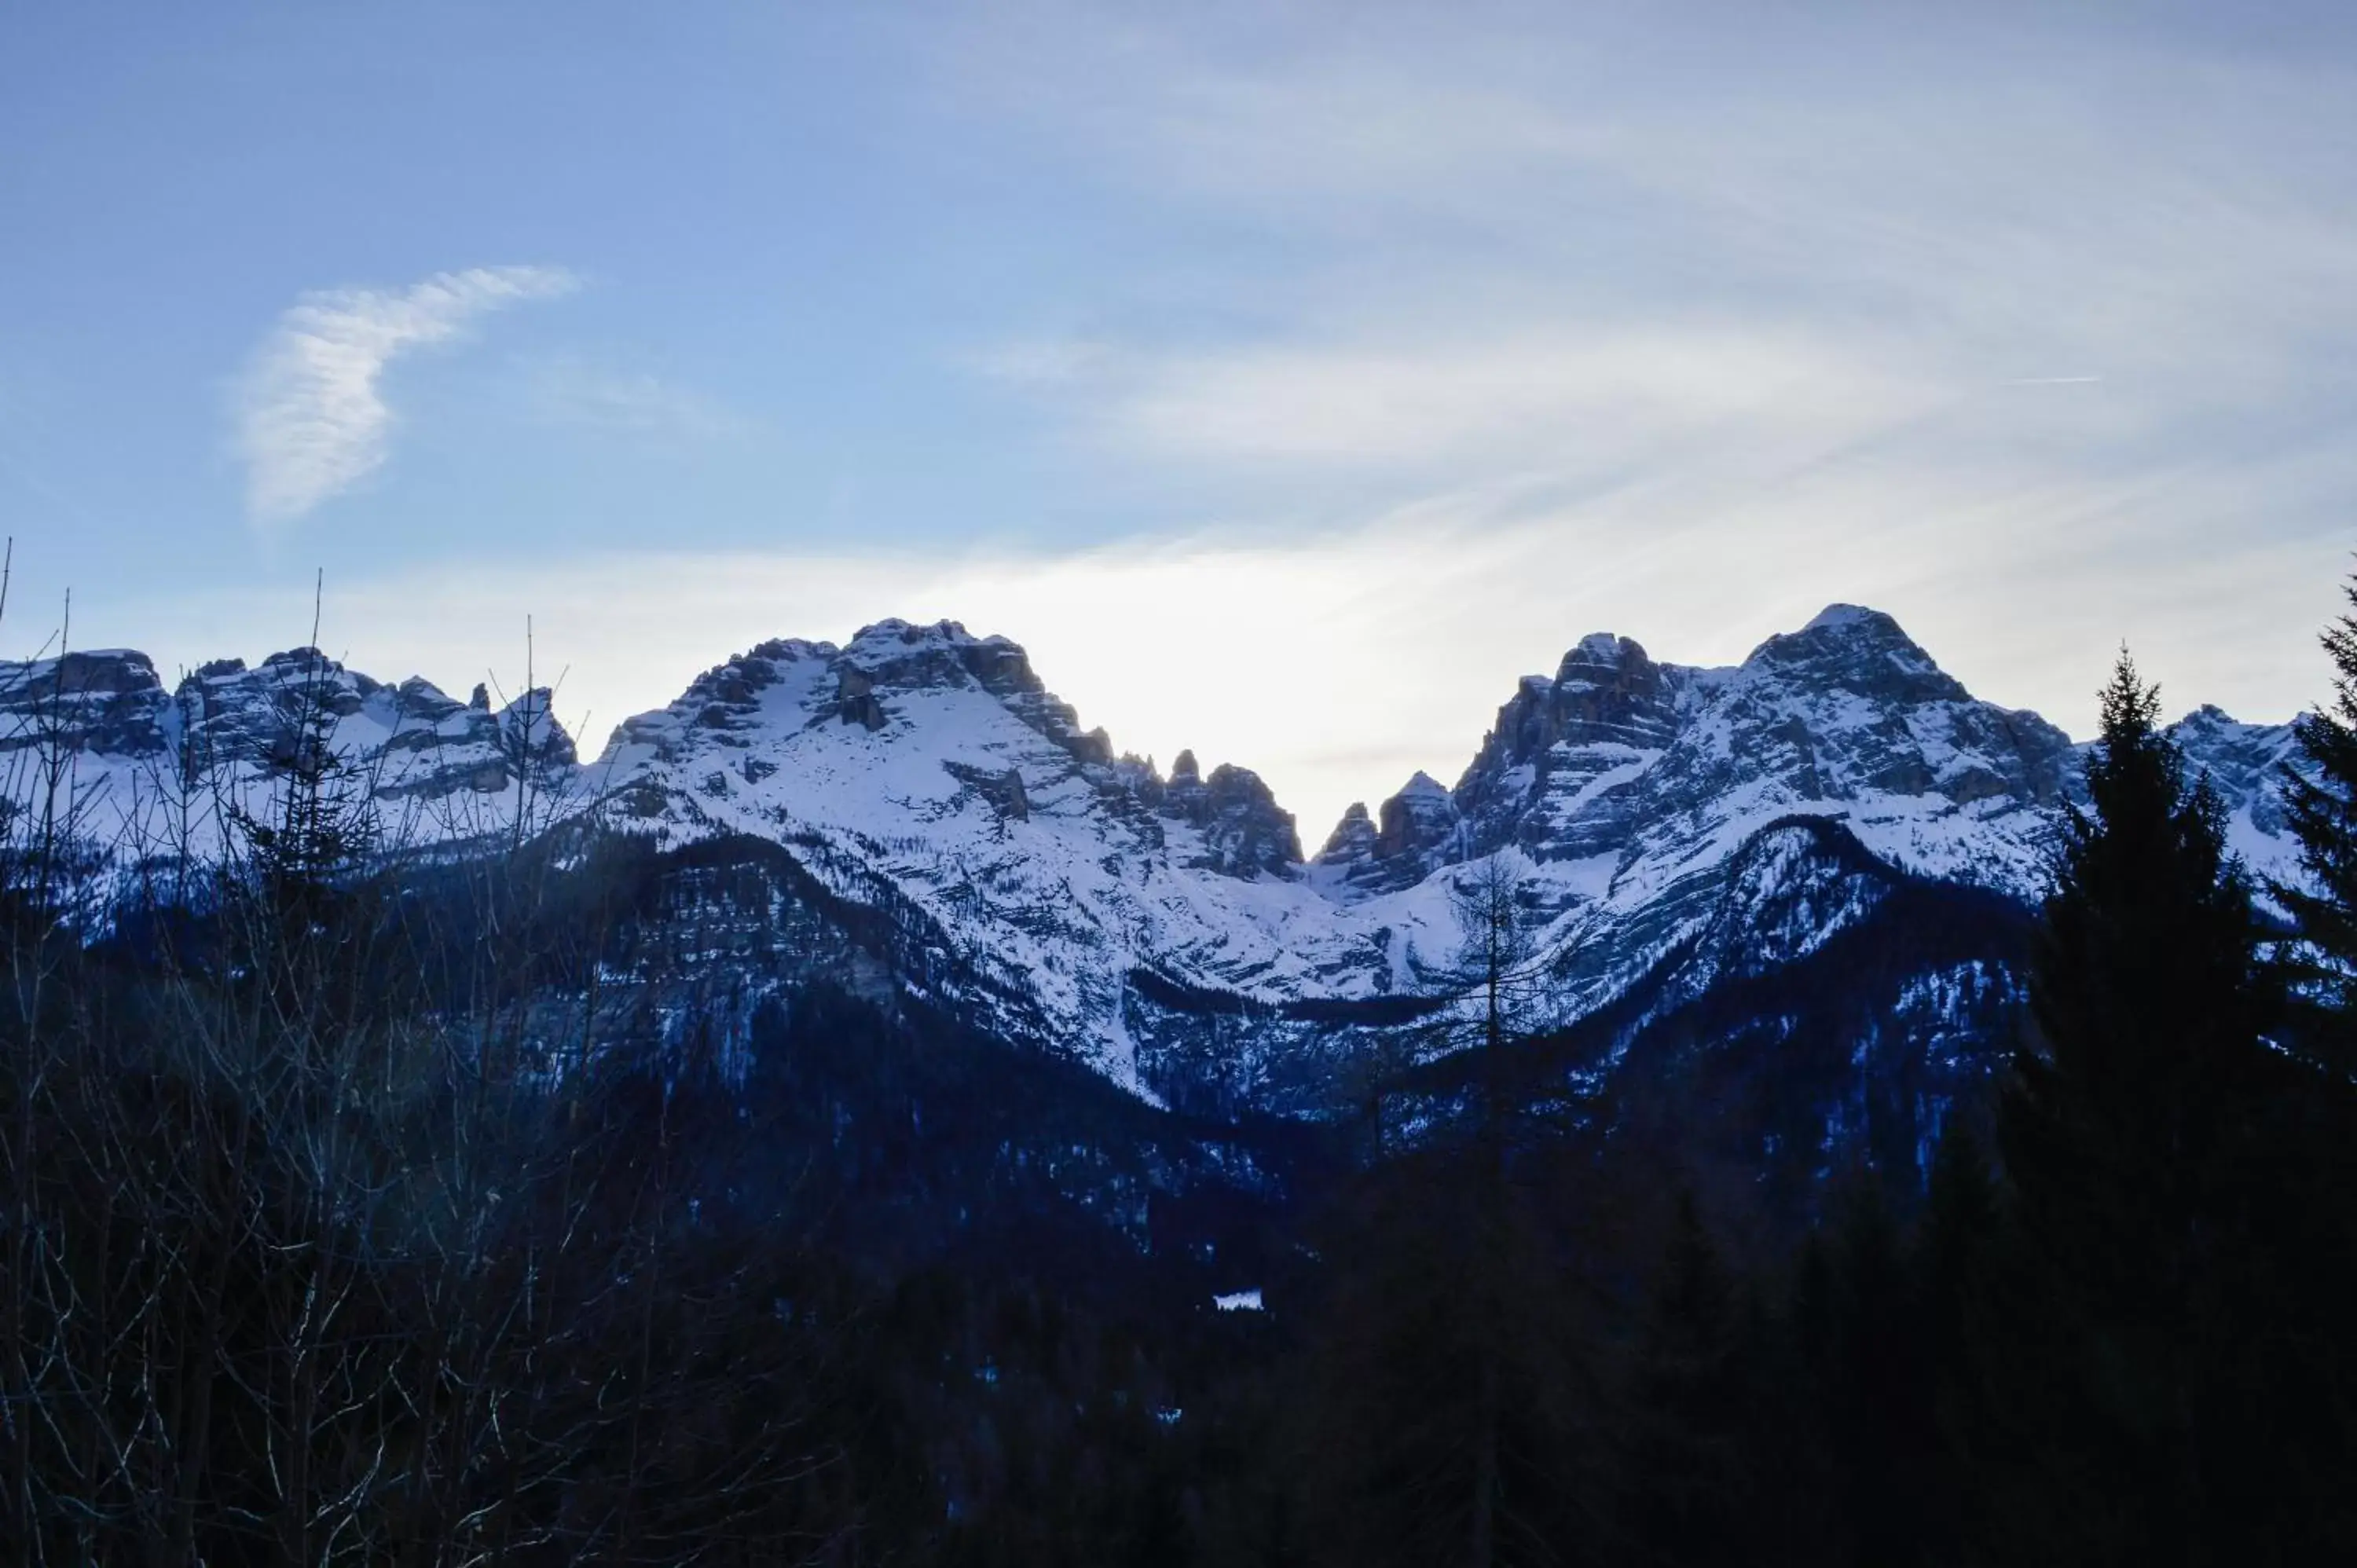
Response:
column 1288, row 378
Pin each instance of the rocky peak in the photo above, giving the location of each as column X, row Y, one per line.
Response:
column 2210, row 732
column 411, row 740
column 1606, row 689
column 1245, row 833
column 2242, row 763
column 1591, row 762
column 886, row 672
column 1847, row 647
column 229, row 730
column 104, row 700
column 268, row 714
column 1417, row 821
column 725, row 702
column 1413, row 832
column 1353, row 841
column 528, row 728
column 1848, row 717
column 1557, row 742
column 440, row 748
column 898, row 657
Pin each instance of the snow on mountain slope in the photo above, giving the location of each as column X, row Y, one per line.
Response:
column 937, row 758
column 1664, row 766
column 93, row 742
column 2243, row 762
column 926, row 765
column 1625, row 789
column 1630, row 784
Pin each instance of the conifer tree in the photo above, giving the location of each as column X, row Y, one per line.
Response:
column 1688, row 1492
column 1866, row 1359
column 1954, row 1252
column 2124, row 1133
column 2146, row 1000
column 2321, row 805
column 2307, row 1276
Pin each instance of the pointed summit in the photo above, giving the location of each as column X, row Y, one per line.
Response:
column 1397, row 846
column 1417, row 823
column 1838, row 616
column 1353, row 841
column 1850, row 647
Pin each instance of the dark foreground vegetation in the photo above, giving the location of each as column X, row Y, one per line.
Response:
column 326, row 1236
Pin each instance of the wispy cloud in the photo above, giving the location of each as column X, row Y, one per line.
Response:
column 1575, row 396
column 311, row 420
column 1045, row 363
column 1683, row 239
column 575, row 392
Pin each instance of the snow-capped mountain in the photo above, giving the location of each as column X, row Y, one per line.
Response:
column 1166, row 930
column 94, row 742
column 1623, row 787
column 1633, row 767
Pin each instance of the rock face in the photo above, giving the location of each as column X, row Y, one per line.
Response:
column 150, row 772
column 106, row 703
column 938, row 761
column 1244, row 833
column 2245, row 764
column 1351, row 843
column 1847, row 715
column 1560, row 748
column 1420, row 830
column 1677, row 830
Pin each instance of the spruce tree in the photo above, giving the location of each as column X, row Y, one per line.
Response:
column 2321, row 805
column 2306, row 1277
column 1688, row 1498
column 2124, row 1131
column 1872, row 1391
column 1954, row 1255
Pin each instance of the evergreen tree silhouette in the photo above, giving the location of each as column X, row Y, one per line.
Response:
column 2321, row 808
column 1956, row 1249
column 1689, row 1491
column 2123, row 1132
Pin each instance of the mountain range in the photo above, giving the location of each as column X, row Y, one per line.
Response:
column 1677, row 838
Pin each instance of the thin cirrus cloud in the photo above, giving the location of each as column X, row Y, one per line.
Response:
column 573, row 392
column 1566, row 391
column 1508, row 243
column 311, row 417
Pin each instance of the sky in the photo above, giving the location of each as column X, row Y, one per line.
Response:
column 1288, row 378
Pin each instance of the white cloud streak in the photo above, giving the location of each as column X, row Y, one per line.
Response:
column 1694, row 239
column 311, row 418
column 576, row 393
column 1576, row 397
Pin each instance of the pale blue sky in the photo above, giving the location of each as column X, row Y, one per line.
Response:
column 1290, row 377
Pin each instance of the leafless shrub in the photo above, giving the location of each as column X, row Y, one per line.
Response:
column 330, row 1234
